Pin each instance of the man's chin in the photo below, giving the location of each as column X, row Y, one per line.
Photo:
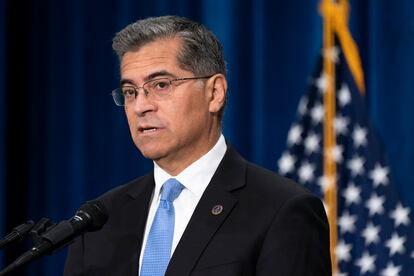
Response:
column 153, row 154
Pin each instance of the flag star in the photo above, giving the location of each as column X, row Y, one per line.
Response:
column 325, row 182
column 400, row 215
column 317, row 113
column 412, row 254
column 352, row 194
column 303, row 103
column 366, row 263
column 371, row 234
column 375, row 204
column 341, row 125
column 391, row 270
column 379, row 175
column 336, row 153
column 359, row 136
column 339, row 273
column 343, row 251
column 305, row 172
column 331, row 53
column 311, row 143
column 322, row 83
column 294, row 135
column 396, row 244
column 346, row 222
column 344, row 95
column 356, row 165
column 286, row 163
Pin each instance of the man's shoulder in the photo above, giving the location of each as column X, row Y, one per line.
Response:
column 272, row 179
column 272, row 187
column 118, row 194
column 261, row 180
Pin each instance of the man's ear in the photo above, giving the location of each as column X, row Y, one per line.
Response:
column 217, row 86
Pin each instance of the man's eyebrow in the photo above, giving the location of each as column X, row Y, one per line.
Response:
column 126, row 81
column 162, row 73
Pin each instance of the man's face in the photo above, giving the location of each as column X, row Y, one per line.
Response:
column 174, row 131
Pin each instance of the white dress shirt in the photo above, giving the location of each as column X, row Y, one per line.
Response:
column 195, row 179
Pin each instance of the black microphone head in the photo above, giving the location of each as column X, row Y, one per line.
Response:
column 95, row 212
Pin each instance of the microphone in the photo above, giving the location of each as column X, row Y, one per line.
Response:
column 91, row 216
column 17, row 233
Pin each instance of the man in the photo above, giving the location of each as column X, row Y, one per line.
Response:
column 204, row 210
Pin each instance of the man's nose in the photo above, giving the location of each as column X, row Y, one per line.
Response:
column 143, row 103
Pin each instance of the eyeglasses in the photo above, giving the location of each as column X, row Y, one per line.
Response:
column 156, row 89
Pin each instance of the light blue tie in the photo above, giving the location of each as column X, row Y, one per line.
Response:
column 157, row 251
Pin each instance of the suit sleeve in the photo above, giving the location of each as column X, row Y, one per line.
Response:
column 297, row 242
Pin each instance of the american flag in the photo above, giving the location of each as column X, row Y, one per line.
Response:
column 375, row 229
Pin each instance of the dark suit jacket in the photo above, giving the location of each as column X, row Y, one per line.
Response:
column 268, row 226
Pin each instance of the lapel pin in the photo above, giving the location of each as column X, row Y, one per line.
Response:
column 216, row 210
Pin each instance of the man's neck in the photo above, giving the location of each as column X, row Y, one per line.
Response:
column 177, row 165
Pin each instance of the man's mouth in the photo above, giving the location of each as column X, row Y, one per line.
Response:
column 147, row 129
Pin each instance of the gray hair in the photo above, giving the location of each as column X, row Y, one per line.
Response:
column 201, row 51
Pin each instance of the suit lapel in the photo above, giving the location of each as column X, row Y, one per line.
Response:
column 205, row 221
column 133, row 216
column 141, row 195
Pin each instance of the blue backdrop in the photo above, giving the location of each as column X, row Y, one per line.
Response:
column 2, row 123
column 62, row 140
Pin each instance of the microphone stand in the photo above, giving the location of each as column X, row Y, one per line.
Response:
column 16, row 234
column 35, row 231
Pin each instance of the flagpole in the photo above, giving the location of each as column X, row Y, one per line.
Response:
column 335, row 22
column 329, row 166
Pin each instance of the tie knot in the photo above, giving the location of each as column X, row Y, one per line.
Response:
column 171, row 189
